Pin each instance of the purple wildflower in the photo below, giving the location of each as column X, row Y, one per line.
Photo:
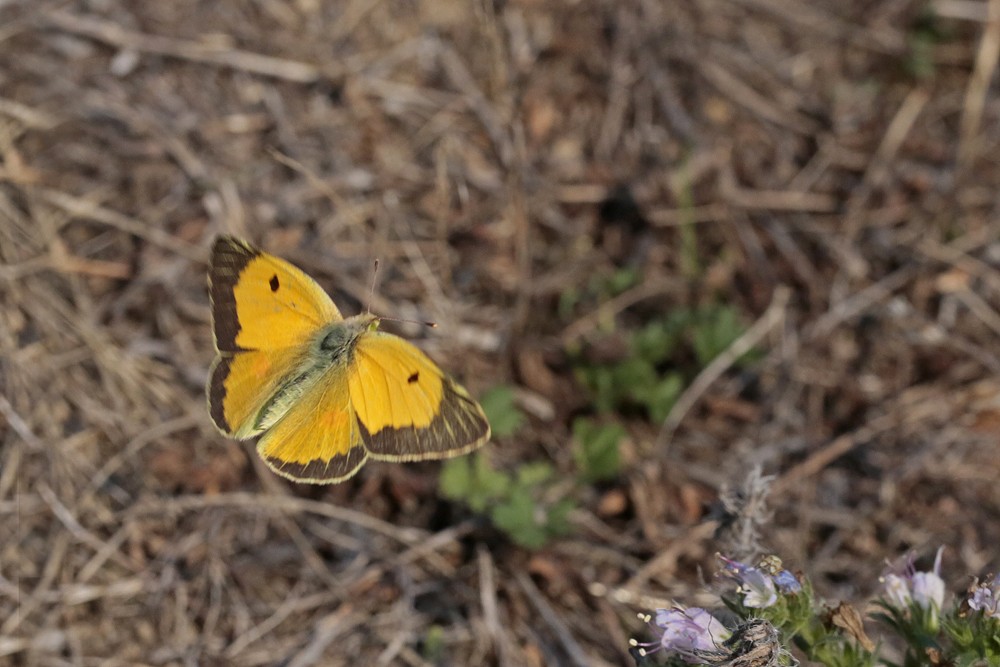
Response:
column 908, row 587
column 787, row 583
column 756, row 586
column 685, row 632
column 897, row 591
column 986, row 598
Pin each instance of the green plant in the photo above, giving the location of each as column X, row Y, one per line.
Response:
column 773, row 611
column 600, row 288
column 596, row 449
column 690, row 260
column 516, row 503
column 651, row 376
column 504, row 416
column 713, row 329
column 433, row 649
column 519, row 503
column 616, row 283
column 473, row 481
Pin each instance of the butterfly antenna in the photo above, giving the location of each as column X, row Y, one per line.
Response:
column 426, row 323
column 371, row 290
column 371, row 295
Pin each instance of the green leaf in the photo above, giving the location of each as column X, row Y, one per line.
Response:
column 533, row 474
column 596, row 449
column 655, row 342
column 715, row 330
column 504, row 417
column 602, row 383
column 632, row 376
column 663, row 395
column 509, row 499
column 622, row 279
column 558, row 517
column 487, row 484
column 516, row 517
column 471, row 480
column 456, row 477
column 684, row 191
column 433, row 644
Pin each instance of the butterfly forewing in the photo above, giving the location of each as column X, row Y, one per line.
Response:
column 407, row 408
column 260, row 301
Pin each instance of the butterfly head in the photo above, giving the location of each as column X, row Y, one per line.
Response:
column 341, row 337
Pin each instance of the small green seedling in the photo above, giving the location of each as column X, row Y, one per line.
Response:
column 504, row 416
column 596, row 449
column 658, row 366
column 514, row 502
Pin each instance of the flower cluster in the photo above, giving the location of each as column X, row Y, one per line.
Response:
column 696, row 636
column 772, row 609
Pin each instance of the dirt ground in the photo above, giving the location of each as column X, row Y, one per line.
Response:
column 828, row 170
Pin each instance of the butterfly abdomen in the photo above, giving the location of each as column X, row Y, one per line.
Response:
column 286, row 396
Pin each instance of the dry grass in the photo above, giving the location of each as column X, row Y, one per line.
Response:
column 483, row 151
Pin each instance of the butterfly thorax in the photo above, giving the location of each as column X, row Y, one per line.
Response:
column 339, row 338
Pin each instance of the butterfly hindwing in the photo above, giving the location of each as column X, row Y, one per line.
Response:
column 242, row 384
column 407, row 408
column 318, row 439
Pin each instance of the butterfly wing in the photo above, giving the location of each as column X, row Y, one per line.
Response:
column 265, row 312
column 407, row 408
column 260, row 301
column 242, row 384
column 318, row 439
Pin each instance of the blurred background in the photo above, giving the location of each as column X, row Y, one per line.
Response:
column 666, row 244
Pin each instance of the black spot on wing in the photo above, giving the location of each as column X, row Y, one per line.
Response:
column 414, row 377
column 274, row 283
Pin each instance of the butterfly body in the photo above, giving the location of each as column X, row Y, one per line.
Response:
column 324, row 393
column 329, row 351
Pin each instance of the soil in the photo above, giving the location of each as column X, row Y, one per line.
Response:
column 542, row 180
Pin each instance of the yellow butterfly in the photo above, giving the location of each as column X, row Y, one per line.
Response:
column 324, row 392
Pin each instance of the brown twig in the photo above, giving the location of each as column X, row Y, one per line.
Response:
column 114, row 35
column 765, row 324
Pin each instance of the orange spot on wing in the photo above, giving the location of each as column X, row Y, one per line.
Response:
column 333, row 419
column 261, row 366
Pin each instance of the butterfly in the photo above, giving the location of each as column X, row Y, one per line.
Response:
column 324, row 393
